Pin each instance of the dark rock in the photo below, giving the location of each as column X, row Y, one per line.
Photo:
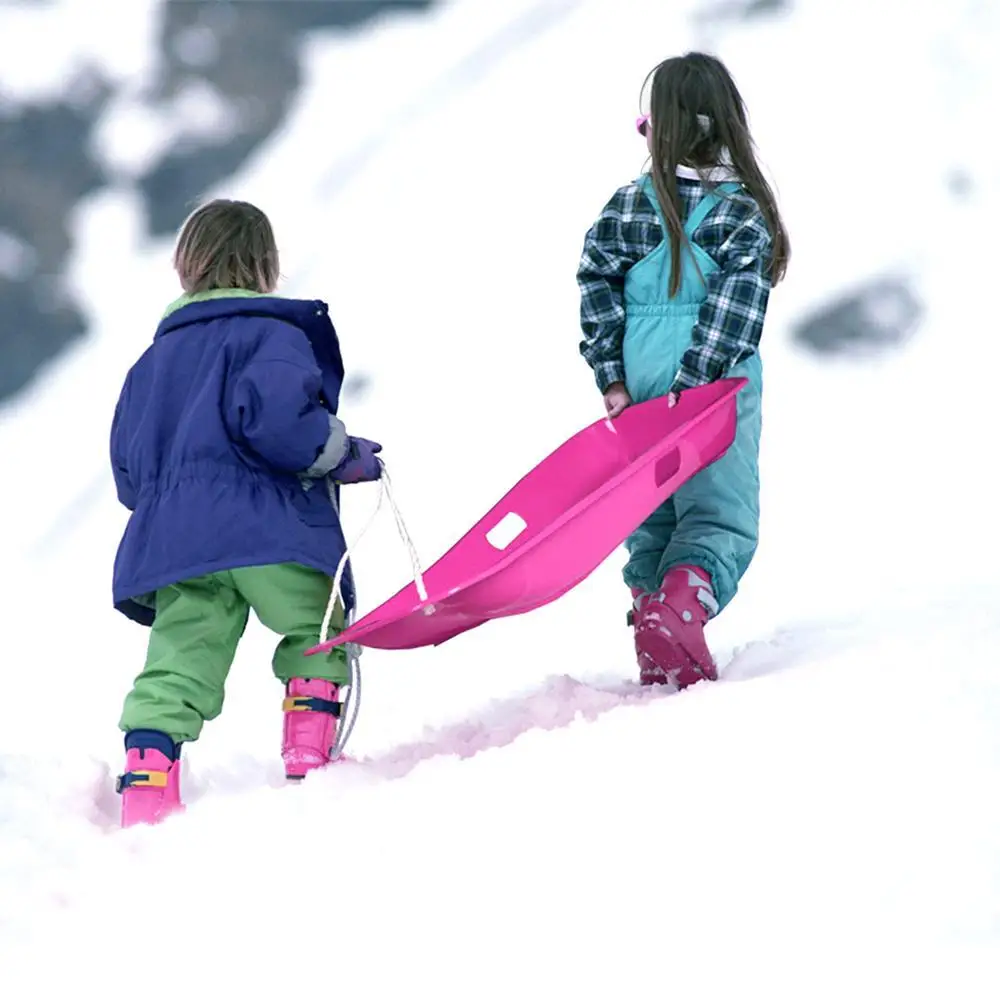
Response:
column 718, row 11
column 35, row 326
column 764, row 8
column 249, row 53
column 357, row 386
column 959, row 183
column 45, row 170
column 882, row 313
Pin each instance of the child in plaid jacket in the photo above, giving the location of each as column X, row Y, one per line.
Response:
column 675, row 277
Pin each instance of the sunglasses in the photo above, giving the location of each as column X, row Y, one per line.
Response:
column 642, row 125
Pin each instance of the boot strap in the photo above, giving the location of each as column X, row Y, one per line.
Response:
column 142, row 779
column 310, row 703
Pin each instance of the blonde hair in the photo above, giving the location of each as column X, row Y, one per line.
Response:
column 227, row 244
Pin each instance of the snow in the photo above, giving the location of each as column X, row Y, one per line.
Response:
column 520, row 818
column 46, row 48
column 132, row 138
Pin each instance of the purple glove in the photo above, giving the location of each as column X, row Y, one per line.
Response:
column 359, row 465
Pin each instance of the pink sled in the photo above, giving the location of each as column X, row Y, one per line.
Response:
column 560, row 522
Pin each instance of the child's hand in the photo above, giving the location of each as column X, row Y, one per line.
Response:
column 616, row 398
column 360, row 464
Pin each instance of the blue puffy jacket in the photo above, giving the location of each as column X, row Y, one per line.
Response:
column 216, row 424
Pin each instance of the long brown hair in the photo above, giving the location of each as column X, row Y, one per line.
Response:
column 227, row 244
column 685, row 87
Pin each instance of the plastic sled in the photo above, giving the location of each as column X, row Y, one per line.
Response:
column 560, row 522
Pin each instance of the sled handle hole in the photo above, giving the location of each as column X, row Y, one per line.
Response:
column 668, row 466
column 506, row 530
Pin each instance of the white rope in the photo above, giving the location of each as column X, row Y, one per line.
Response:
column 384, row 492
column 324, row 629
column 418, row 573
column 352, row 703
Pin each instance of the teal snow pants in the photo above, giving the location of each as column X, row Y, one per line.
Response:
column 712, row 520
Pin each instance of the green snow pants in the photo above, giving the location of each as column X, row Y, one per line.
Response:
column 198, row 625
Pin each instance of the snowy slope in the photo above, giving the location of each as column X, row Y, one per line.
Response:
column 822, row 822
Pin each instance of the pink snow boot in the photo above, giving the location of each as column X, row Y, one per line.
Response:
column 150, row 787
column 670, row 629
column 632, row 618
column 311, row 713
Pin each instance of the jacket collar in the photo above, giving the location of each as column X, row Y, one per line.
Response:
column 310, row 315
column 213, row 293
column 715, row 175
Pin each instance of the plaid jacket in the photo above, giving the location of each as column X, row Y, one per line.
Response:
column 735, row 236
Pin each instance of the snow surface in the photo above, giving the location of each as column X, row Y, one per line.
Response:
column 48, row 48
column 520, row 819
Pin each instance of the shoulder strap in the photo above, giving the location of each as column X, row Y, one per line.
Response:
column 701, row 210
column 646, row 183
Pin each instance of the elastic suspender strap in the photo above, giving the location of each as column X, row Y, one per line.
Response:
column 141, row 779
column 310, row 703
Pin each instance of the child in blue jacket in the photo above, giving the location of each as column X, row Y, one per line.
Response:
column 675, row 277
column 224, row 442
